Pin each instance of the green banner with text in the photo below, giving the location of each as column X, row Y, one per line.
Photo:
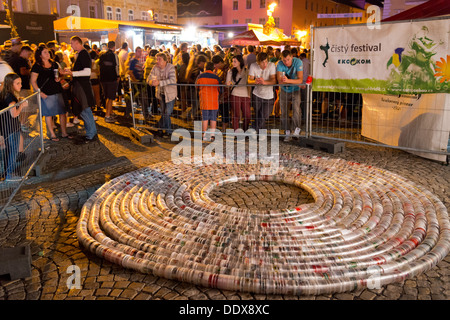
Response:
column 398, row 58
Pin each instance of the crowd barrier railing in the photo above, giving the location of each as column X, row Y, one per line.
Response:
column 329, row 115
column 21, row 145
column 240, row 107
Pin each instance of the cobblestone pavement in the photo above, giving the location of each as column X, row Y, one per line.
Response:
column 45, row 213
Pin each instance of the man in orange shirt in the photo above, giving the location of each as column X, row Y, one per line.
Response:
column 209, row 98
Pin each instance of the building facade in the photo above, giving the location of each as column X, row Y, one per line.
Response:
column 291, row 16
column 126, row 10
column 59, row 8
column 393, row 7
column 164, row 11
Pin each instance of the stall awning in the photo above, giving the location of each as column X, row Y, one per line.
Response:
column 81, row 24
column 429, row 9
column 249, row 37
column 257, row 38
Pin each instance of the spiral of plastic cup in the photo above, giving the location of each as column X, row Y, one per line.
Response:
column 366, row 228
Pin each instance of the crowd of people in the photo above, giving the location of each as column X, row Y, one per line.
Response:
column 271, row 81
column 76, row 81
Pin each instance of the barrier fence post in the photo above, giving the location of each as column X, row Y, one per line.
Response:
column 41, row 129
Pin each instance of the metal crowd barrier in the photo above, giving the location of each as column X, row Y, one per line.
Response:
column 352, row 117
column 233, row 113
column 21, row 145
column 327, row 115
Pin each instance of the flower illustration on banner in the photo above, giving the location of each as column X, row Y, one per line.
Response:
column 443, row 69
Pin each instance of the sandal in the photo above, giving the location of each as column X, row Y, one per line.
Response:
column 54, row 139
column 67, row 137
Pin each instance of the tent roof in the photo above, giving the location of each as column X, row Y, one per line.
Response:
column 431, row 8
column 92, row 25
column 249, row 37
column 256, row 38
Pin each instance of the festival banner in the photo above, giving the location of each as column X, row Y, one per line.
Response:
column 398, row 58
column 420, row 122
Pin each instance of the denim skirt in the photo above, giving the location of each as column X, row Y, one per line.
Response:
column 53, row 105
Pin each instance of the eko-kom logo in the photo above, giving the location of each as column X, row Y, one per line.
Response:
column 354, row 61
column 191, row 151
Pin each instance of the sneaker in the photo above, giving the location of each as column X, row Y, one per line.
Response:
column 76, row 120
column 288, row 136
column 297, row 132
column 110, row 120
column 85, row 140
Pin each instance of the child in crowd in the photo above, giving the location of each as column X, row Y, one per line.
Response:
column 209, row 99
column 10, row 124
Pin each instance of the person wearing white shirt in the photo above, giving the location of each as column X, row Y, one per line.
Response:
column 263, row 75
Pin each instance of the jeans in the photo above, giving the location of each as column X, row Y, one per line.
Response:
column 166, row 110
column 286, row 99
column 11, row 150
column 263, row 108
column 89, row 123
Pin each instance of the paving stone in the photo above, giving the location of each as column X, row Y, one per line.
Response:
column 56, row 246
column 367, row 295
